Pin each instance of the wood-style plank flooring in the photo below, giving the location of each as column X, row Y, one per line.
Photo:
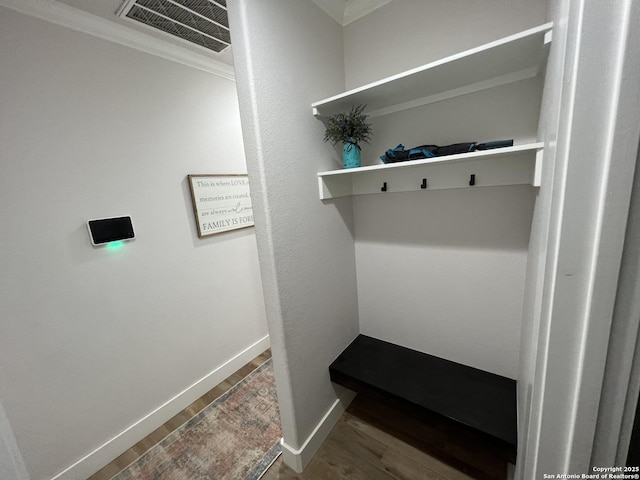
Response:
column 354, row 450
column 177, row 421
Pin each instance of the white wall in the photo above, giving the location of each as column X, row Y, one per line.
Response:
column 557, row 12
column 11, row 461
column 288, row 53
column 621, row 381
column 93, row 340
column 579, row 241
column 408, row 33
column 443, row 271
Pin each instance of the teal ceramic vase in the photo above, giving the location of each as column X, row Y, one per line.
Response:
column 351, row 155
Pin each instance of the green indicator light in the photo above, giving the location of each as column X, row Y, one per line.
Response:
column 117, row 245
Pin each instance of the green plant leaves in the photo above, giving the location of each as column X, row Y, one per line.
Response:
column 350, row 127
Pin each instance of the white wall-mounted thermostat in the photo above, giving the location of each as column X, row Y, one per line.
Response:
column 107, row 230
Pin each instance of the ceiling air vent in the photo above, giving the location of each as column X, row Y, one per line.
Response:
column 203, row 22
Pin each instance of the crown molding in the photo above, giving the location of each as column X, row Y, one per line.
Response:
column 333, row 8
column 79, row 20
column 355, row 9
column 346, row 11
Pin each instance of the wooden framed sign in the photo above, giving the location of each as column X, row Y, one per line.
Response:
column 221, row 203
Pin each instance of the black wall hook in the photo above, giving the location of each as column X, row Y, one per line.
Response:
column 384, row 187
column 472, row 180
column 424, row 183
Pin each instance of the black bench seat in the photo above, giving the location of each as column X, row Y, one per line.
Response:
column 483, row 401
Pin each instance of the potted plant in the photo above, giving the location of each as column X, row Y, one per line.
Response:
column 349, row 128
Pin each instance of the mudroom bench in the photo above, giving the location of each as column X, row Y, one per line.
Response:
column 432, row 389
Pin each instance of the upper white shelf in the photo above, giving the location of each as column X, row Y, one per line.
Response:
column 503, row 61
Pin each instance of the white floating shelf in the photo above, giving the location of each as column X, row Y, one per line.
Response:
column 517, row 165
column 503, row 61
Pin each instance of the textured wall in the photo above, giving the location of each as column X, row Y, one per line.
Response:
column 593, row 125
column 288, row 53
column 92, row 340
column 443, row 271
column 408, row 33
column 548, row 132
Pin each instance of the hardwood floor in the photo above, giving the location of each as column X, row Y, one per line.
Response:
column 174, row 423
column 358, row 447
column 356, row 450
column 469, row 451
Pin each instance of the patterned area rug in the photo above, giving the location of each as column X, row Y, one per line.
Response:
column 235, row 437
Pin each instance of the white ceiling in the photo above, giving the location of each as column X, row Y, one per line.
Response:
column 108, row 9
column 102, row 8
column 342, row 11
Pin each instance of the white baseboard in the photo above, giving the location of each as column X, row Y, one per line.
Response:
column 111, row 449
column 298, row 459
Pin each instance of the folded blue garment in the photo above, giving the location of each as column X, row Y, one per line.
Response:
column 399, row 154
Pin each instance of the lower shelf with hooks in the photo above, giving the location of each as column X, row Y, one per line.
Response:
column 517, row 165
